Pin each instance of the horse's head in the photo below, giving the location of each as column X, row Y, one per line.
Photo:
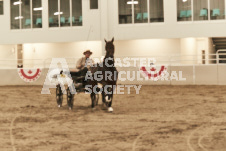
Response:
column 110, row 48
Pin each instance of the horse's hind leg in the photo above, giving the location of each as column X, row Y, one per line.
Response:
column 93, row 99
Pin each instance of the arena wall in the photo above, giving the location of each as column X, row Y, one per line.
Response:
column 142, row 47
column 194, row 74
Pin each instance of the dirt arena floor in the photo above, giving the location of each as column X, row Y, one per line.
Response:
column 160, row 118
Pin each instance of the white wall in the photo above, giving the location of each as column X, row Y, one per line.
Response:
column 34, row 54
column 188, row 47
column 8, row 51
column 147, row 47
column 57, row 50
column 43, row 51
column 194, row 47
column 7, row 54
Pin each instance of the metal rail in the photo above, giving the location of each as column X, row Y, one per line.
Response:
column 218, row 58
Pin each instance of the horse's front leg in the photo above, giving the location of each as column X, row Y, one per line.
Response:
column 108, row 91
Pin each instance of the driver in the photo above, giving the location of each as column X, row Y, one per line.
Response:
column 83, row 64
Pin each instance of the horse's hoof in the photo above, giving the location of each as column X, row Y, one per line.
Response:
column 70, row 108
column 110, row 109
column 59, row 106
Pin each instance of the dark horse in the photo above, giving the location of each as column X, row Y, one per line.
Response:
column 108, row 73
column 106, row 70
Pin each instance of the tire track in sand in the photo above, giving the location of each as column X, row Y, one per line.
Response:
column 11, row 133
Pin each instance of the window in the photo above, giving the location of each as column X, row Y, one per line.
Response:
column 202, row 10
column 141, row 11
column 217, row 9
column 93, row 4
column 1, row 7
column 15, row 14
column 26, row 14
column 184, row 12
column 53, row 16
column 37, row 13
column 125, row 12
column 138, row 11
column 65, row 16
column 65, row 13
column 156, row 11
column 77, row 13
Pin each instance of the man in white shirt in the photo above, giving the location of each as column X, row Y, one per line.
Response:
column 83, row 64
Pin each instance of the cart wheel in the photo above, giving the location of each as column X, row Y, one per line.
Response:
column 70, row 99
column 59, row 96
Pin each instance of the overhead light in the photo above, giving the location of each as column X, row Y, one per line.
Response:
column 132, row 2
column 39, row 8
column 18, row 17
column 58, row 13
column 184, row 0
column 17, row 3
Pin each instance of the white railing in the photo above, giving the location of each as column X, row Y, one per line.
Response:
column 217, row 58
column 221, row 53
